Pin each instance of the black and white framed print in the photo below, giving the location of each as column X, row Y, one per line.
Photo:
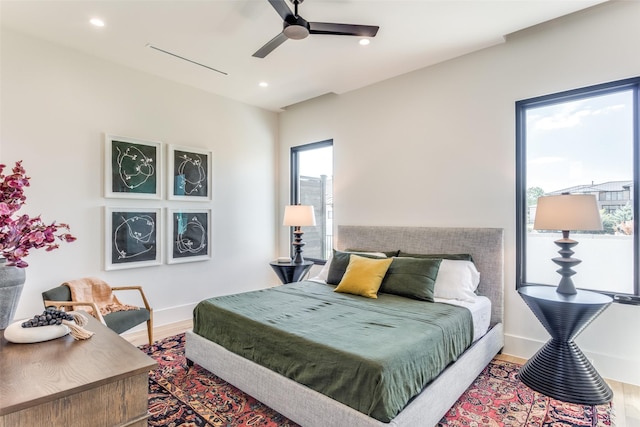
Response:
column 189, row 235
column 190, row 174
column 133, row 237
column 133, row 168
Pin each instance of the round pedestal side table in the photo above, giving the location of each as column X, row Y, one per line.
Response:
column 289, row 272
column 559, row 369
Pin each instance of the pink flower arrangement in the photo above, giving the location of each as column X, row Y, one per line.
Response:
column 20, row 234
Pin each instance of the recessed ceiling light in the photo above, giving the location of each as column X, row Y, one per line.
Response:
column 97, row 22
column 263, row 84
column 364, row 42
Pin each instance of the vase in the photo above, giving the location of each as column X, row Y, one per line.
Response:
column 11, row 283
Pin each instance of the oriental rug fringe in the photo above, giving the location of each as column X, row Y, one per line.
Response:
column 181, row 396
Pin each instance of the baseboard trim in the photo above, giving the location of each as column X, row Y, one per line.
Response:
column 165, row 319
column 170, row 315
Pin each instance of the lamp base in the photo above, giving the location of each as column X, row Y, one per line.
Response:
column 566, row 287
column 565, row 261
column 298, row 244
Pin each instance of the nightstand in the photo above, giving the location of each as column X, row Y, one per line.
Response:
column 560, row 369
column 290, row 272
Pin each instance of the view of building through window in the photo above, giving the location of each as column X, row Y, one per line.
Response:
column 312, row 173
column 582, row 145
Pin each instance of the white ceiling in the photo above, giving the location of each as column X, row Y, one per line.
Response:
column 223, row 34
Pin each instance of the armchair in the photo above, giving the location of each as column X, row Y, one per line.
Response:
column 118, row 321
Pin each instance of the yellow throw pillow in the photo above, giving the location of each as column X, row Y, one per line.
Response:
column 363, row 276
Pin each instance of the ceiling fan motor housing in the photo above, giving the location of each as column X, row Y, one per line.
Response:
column 296, row 28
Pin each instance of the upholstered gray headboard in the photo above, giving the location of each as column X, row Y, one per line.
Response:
column 484, row 244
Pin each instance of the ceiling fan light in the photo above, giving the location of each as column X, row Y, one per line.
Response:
column 296, row 32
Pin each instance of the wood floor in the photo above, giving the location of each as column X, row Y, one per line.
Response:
column 626, row 397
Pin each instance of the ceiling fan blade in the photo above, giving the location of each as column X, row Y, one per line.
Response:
column 281, row 7
column 343, row 29
column 270, row 46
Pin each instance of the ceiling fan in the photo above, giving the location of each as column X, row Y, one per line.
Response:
column 295, row 27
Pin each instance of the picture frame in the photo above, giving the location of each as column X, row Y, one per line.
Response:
column 188, row 235
column 189, row 173
column 133, row 237
column 133, row 168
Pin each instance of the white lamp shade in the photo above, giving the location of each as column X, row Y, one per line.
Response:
column 299, row 216
column 568, row 212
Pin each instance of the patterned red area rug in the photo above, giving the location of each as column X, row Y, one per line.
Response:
column 498, row 398
column 180, row 396
column 191, row 397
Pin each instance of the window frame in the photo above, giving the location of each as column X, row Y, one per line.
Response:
column 632, row 84
column 294, row 196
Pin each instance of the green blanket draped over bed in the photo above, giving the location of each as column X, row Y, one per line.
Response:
column 373, row 355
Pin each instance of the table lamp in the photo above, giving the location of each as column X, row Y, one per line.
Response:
column 567, row 212
column 298, row 216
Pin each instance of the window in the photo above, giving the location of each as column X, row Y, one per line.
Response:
column 581, row 141
column 312, row 184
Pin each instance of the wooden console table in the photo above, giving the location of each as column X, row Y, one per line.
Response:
column 102, row 381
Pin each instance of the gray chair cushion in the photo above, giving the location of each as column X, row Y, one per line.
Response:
column 121, row 321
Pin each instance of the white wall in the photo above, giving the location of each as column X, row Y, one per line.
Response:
column 57, row 104
column 436, row 147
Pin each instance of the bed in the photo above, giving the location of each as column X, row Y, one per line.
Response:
column 311, row 408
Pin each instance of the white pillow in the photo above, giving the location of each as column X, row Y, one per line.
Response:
column 324, row 273
column 457, row 280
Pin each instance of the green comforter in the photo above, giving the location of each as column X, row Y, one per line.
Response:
column 373, row 355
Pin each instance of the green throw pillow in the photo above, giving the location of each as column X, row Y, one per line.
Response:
column 412, row 278
column 389, row 254
column 456, row 257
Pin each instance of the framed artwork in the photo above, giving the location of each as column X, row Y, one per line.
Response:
column 132, row 168
column 133, row 237
column 189, row 235
column 189, row 176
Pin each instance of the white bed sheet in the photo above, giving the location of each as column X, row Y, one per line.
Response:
column 480, row 312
